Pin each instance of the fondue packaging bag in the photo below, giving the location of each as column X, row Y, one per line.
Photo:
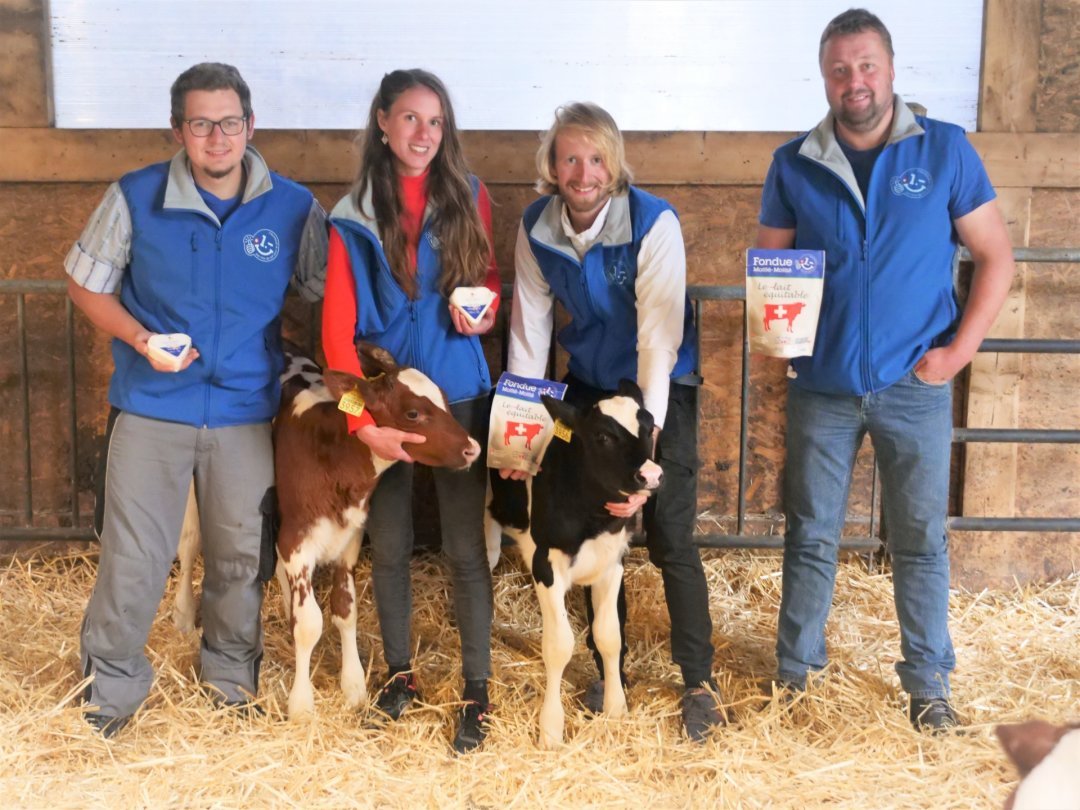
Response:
column 783, row 300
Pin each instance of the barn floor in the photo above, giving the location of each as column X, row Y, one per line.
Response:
column 846, row 744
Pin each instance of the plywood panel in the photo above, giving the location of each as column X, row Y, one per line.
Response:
column 1058, row 91
column 23, row 86
column 1010, row 66
column 712, row 158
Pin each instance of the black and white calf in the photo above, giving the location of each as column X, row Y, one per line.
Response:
column 567, row 537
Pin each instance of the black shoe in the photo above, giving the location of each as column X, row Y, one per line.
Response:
column 700, row 714
column 934, row 715
column 472, row 727
column 247, row 709
column 397, row 695
column 108, row 727
column 786, row 691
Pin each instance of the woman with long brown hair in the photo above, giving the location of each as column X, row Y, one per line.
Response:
column 416, row 226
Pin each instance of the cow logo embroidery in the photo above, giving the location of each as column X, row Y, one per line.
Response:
column 433, row 240
column 782, row 312
column 617, row 273
column 263, row 245
column 912, row 183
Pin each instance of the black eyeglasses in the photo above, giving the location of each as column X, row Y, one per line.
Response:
column 202, row 127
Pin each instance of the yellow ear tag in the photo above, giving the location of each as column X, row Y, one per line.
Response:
column 351, row 403
column 562, row 430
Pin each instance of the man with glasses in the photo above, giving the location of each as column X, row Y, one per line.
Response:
column 204, row 245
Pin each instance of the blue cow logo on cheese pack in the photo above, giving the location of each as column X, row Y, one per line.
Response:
column 263, row 245
column 913, row 183
column 806, row 264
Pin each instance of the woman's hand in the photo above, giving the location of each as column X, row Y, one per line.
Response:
column 461, row 323
column 385, row 442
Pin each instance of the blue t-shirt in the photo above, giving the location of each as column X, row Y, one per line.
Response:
column 862, row 162
column 221, row 208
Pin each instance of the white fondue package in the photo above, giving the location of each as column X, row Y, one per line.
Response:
column 520, row 426
column 171, row 349
column 472, row 302
column 783, row 300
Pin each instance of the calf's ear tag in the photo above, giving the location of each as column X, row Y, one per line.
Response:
column 351, row 403
column 562, row 430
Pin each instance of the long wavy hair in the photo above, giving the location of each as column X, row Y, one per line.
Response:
column 463, row 242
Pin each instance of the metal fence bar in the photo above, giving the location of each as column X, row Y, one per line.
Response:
column 1029, row 346
column 698, row 294
column 24, row 387
column 1017, row 524
column 73, row 419
column 1018, row 435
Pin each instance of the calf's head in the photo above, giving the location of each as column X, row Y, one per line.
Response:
column 1048, row 759
column 616, row 440
column 405, row 399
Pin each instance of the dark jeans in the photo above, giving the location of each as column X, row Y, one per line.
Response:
column 669, row 518
column 461, row 520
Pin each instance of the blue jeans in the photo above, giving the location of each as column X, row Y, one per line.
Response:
column 910, row 425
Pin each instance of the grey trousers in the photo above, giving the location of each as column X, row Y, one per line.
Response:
column 389, row 527
column 148, row 471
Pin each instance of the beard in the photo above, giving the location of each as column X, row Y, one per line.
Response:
column 220, row 174
column 864, row 120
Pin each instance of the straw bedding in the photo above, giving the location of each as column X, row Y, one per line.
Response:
column 846, row 743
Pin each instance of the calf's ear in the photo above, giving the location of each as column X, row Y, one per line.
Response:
column 374, row 360
column 629, row 388
column 1028, row 743
column 563, row 411
column 340, row 383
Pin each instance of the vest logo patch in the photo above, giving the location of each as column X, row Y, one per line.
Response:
column 912, row 183
column 264, row 245
column 617, row 273
column 433, row 240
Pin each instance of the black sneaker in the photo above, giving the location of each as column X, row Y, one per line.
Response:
column 108, row 727
column 933, row 715
column 472, row 727
column 700, row 714
column 397, row 695
column 248, row 709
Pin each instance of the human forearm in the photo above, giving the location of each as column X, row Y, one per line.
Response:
column 110, row 316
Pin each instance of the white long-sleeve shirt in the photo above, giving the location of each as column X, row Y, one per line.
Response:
column 660, row 290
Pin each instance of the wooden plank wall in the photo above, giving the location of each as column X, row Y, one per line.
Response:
column 50, row 181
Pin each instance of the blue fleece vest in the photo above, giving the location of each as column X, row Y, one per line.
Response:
column 222, row 284
column 419, row 332
column 889, row 294
column 599, row 289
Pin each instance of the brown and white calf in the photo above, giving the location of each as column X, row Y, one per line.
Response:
column 567, row 537
column 324, row 478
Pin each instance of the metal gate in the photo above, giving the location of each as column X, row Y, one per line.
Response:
column 18, row 519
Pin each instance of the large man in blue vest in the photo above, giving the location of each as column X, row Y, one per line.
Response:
column 886, row 194
column 613, row 256
column 206, row 245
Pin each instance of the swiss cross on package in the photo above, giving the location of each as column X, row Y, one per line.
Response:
column 520, row 426
column 783, row 300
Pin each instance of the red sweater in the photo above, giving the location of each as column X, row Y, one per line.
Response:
column 339, row 304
